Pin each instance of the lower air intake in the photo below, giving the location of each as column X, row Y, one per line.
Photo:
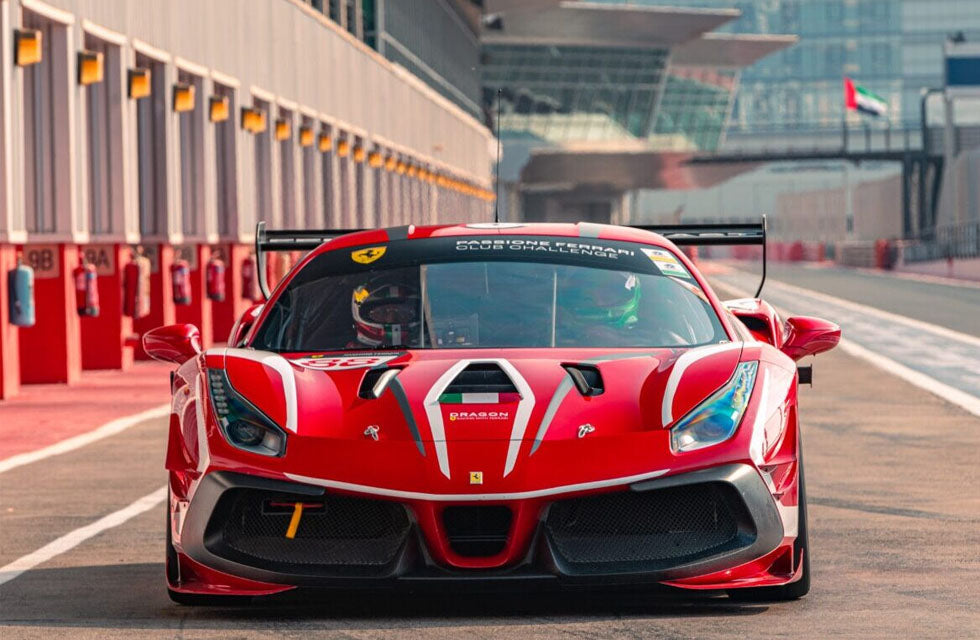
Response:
column 649, row 530
column 339, row 534
column 477, row 532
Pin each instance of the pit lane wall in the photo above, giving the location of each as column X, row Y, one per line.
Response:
column 171, row 128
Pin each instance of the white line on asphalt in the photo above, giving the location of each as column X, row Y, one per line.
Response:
column 921, row 380
column 920, row 277
column 873, row 311
column 949, row 394
column 74, row 538
column 110, row 428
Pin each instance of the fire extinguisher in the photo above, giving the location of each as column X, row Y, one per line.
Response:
column 86, row 290
column 180, row 278
column 250, row 280
column 136, row 286
column 20, row 282
column 215, row 276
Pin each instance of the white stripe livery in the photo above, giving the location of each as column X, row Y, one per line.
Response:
column 476, row 497
column 433, row 411
column 283, row 368
column 686, row 359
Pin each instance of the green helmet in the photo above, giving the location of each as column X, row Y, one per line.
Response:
column 602, row 296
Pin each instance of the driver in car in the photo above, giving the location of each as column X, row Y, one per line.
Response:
column 597, row 307
column 385, row 314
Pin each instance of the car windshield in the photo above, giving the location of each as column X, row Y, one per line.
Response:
column 489, row 304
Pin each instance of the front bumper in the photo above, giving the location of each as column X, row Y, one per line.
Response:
column 660, row 530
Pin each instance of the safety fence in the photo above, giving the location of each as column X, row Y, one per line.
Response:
column 951, row 241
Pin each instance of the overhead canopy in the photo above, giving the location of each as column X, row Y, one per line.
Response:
column 624, row 170
column 609, row 25
column 728, row 50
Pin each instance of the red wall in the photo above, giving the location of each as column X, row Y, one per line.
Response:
column 161, row 295
column 198, row 312
column 51, row 349
column 227, row 312
column 104, row 338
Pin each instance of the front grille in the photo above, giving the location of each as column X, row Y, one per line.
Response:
column 336, row 533
column 477, row 531
column 648, row 530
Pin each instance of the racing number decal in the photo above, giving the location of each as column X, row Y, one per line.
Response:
column 343, row 362
column 367, row 256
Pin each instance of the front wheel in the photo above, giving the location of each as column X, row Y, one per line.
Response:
column 801, row 547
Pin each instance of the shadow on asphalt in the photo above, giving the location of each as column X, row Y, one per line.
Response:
column 132, row 596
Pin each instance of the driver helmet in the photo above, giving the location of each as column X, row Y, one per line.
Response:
column 385, row 313
column 601, row 296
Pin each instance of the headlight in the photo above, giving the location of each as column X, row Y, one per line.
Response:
column 716, row 419
column 242, row 423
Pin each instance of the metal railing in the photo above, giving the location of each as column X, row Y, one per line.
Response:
column 952, row 241
column 849, row 139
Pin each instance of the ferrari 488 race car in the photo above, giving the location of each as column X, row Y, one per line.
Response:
column 553, row 405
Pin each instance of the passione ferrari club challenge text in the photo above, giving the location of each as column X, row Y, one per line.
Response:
column 548, row 246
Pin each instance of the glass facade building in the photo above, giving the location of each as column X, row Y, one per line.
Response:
column 695, row 107
column 893, row 47
column 573, row 93
column 595, row 101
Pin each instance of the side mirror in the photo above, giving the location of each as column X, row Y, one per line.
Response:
column 175, row 343
column 807, row 336
column 243, row 324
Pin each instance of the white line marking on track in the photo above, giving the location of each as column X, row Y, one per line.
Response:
column 954, row 396
column 921, row 380
column 74, row 538
column 110, row 428
column 873, row 311
column 921, row 277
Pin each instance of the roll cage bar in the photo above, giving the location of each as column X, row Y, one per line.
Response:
column 685, row 235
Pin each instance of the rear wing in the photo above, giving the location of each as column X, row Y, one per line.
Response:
column 715, row 234
column 288, row 240
column 688, row 235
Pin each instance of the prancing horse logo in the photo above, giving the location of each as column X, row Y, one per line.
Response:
column 369, row 255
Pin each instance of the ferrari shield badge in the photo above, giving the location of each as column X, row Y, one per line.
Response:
column 369, row 255
column 476, row 477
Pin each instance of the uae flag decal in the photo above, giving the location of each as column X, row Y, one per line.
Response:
column 857, row 98
column 479, row 398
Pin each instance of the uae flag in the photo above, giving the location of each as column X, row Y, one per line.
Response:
column 857, row 98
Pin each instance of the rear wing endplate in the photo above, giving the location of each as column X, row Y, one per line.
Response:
column 720, row 234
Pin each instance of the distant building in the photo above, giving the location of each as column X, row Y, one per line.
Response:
column 597, row 102
column 894, row 47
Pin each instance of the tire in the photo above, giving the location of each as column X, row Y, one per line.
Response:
column 793, row 590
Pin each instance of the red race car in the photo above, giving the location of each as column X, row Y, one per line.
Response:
column 552, row 405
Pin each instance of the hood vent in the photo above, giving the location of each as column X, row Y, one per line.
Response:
column 481, row 378
column 375, row 382
column 586, row 378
